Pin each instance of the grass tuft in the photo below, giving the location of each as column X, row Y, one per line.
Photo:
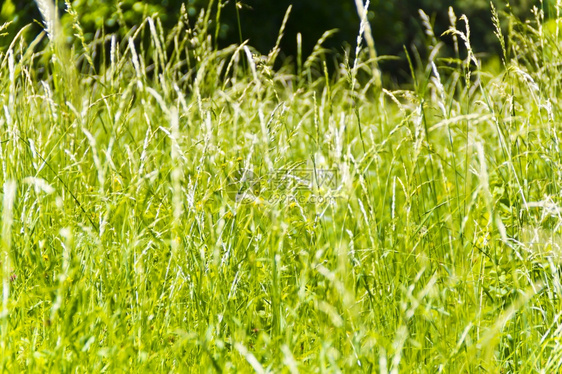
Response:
column 175, row 206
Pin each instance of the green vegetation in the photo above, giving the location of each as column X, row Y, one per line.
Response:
column 124, row 246
column 395, row 23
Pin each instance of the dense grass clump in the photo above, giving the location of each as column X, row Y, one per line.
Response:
column 126, row 245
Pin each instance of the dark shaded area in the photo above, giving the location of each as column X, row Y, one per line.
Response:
column 261, row 21
column 20, row 13
column 395, row 24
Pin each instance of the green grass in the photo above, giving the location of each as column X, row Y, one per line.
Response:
column 124, row 250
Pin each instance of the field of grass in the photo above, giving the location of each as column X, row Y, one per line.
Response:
column 171, row 207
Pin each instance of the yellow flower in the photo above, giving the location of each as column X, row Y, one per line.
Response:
column 483, row 239
column 228, row 215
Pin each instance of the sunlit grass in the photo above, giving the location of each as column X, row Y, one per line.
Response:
column 124, row 249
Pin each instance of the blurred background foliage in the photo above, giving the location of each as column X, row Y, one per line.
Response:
column 396, row 24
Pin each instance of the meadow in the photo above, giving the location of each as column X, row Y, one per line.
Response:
column 168, row 206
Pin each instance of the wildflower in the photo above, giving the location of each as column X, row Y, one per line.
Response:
column 483, row 239
column 116, row 182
